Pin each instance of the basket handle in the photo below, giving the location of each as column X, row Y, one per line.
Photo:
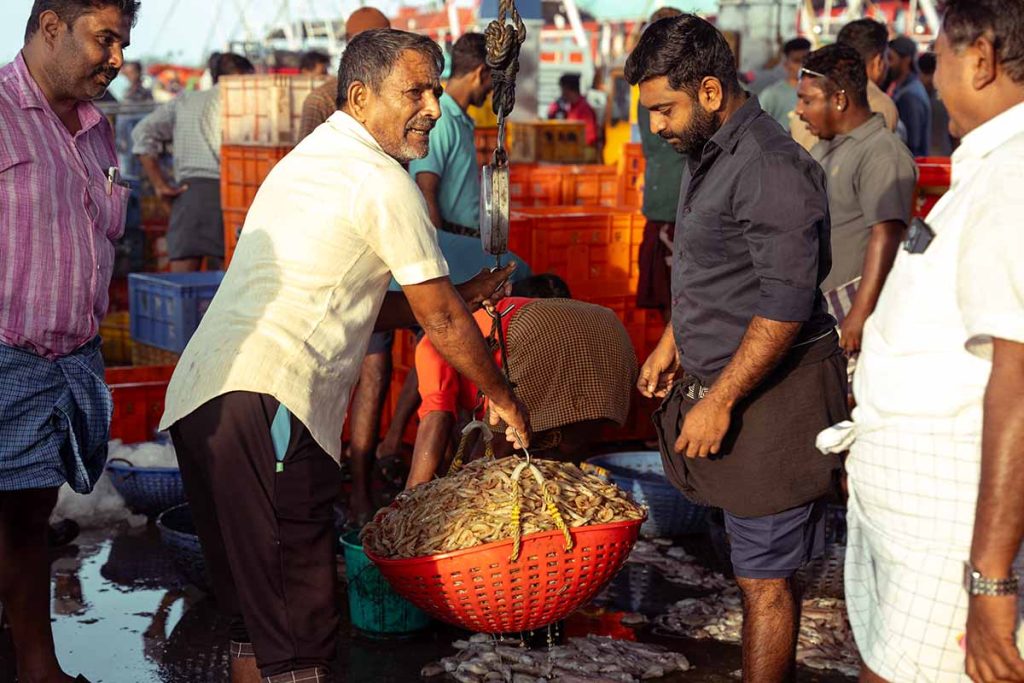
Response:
column 549, row 502
column 485, row 432
column 126, row 475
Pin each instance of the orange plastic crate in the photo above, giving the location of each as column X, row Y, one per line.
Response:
column 631, row 174
column 534, row 186
column 591, row 186
column 138, row 394
column 594, row 249
column 264, row 109
column 242, row 170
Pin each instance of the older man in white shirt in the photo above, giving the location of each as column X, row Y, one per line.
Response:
column 258, row 400
column 940, row 392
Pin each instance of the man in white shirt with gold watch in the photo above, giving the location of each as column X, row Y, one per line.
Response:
column 940, row 392
column 258, row 400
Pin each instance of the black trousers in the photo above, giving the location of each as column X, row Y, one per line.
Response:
column 267, row 532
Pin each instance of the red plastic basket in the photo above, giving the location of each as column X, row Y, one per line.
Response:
column 482, row 590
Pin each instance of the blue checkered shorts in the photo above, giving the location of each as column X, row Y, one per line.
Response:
column 54, row 419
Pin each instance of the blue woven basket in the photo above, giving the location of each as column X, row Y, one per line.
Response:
column 146, row 490
column 642, row 474
column 178, row 532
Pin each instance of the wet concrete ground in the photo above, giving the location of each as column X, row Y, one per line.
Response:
column 122, row 614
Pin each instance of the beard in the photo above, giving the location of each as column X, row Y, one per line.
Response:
column 404, row 148
column 699, row 130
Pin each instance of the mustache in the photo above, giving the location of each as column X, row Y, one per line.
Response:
column 109, row 72
column 421, row 124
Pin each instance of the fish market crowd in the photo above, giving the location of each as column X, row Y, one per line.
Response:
column 838, row 376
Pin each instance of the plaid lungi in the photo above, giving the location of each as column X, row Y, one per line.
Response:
column 54, row 419
column 910, row 518
column 571, row 362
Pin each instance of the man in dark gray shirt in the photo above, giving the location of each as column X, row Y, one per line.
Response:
column 750, row 366
column 871, row 178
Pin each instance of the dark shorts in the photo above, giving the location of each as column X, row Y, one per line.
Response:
column 776, row 546
column 380, row 342
column 196, row 227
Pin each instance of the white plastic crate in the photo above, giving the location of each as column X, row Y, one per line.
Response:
column 263, row 109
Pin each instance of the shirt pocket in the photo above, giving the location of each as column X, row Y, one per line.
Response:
column 702, row 240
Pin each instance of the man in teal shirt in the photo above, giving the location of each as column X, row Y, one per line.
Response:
column 449, row 176
column 779, row 99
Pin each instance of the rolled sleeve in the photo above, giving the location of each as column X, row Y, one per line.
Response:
column 887, row 187
column 783, row 207
column 154, row 131
column 399, row 231
column 990, row 273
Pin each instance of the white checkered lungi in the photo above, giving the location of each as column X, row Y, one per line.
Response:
column 910, row 519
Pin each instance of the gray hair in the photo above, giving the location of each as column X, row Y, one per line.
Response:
column 371, row 56
column 965, row 21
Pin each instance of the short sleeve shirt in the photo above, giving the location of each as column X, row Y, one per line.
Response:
column 752, row 239
column 452, row 157
column 871, row 178
column 293, row 317
column 927, row 347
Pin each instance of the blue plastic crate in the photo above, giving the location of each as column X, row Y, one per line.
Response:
column 166, row 308
column 641, row 473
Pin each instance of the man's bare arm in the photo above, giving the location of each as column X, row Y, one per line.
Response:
column 764, row 344
column 999, row 522
column 883, row 246
column 443, row 315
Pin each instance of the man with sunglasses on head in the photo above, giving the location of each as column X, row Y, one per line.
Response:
column 871, row 39
column 871, row 178
column 750, row 365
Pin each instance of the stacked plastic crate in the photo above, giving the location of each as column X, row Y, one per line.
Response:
column 260, row 121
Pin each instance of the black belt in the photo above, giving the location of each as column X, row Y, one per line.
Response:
column 457, row 229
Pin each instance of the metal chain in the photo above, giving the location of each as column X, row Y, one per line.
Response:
column 503, row 42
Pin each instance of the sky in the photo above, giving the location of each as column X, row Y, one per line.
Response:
column 186, row 30
column 183, row 27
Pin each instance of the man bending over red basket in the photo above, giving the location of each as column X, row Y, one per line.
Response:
column 571, row 363
column 257, row 402
column 750, row 365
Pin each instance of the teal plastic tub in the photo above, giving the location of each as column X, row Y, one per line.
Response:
column 374, row 607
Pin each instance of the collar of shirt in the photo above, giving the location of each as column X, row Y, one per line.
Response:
column 989, row 136
column 343, row 123
column 30, row 96
column 449, row 107
column 875, row 123
column 729, row 135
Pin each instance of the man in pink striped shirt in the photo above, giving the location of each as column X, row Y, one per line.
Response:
column 61, row 207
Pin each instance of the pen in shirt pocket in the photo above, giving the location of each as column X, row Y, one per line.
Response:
column 114, row 178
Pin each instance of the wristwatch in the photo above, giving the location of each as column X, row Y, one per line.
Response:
column 976, row 584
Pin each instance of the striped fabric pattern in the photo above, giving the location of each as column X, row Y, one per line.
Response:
column 57, row 221
column 840, row 300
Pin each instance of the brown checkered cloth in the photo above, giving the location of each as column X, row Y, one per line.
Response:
column 570, row 361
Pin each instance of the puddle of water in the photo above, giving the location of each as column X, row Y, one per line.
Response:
column 122, row 615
